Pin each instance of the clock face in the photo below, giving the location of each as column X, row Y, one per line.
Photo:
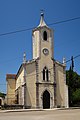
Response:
column 45, row 51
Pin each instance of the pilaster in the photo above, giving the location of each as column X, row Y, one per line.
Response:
column 37, row 85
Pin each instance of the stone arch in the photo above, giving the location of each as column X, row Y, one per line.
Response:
column 48, row 91
column 46, row 97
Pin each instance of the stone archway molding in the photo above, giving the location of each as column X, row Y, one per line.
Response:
column 51, row 98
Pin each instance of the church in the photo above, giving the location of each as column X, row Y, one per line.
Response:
column 40, row 82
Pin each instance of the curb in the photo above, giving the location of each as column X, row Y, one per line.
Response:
column 30, row 110
column 27, row 110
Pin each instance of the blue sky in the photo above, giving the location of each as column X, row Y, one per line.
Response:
column 22, row 14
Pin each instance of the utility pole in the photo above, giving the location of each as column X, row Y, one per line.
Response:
column 72, row 63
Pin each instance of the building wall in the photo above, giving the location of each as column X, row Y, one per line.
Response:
column 60, row 85
column 46, row 44
column 30, row 80
column 36, row 39
column 20, row 78
column 11, row 85
column 31, row 85
column 20, row 85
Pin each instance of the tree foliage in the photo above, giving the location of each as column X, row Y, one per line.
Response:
column 76, row 96
column 2, row 95
column 73, row 82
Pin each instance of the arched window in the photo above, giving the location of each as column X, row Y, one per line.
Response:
column 45, row 74
column 45, row 35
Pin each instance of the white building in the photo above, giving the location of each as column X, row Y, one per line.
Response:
column 41, row 82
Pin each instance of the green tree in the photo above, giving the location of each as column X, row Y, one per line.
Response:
column 76, row 97
column 2, row 95
column 73, row 82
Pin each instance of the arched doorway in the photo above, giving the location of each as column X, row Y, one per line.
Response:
column 46, row 100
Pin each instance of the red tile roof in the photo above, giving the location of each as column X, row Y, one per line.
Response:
column 10, row 76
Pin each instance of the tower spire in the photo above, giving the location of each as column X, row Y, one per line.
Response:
column 42, row 22
column 42, row 15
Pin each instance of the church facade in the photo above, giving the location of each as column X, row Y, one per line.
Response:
column 40, row 82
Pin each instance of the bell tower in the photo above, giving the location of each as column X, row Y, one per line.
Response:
column 42, row 37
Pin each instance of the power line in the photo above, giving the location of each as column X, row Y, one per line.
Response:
column 63, row 21
column 17, row 31
column 27, row 29
column 73, row 58
column 76, row 56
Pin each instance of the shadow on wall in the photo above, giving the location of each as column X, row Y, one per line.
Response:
column 1, row 101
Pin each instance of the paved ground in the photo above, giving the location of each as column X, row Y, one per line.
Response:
column 69, row 114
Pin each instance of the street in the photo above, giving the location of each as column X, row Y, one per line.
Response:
column 70, row 114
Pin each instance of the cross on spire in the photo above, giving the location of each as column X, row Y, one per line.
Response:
column 42, row 22
column 42, row 12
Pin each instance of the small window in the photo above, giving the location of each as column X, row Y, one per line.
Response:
column 45, row 35
column 47, row 75
column 43, row 74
